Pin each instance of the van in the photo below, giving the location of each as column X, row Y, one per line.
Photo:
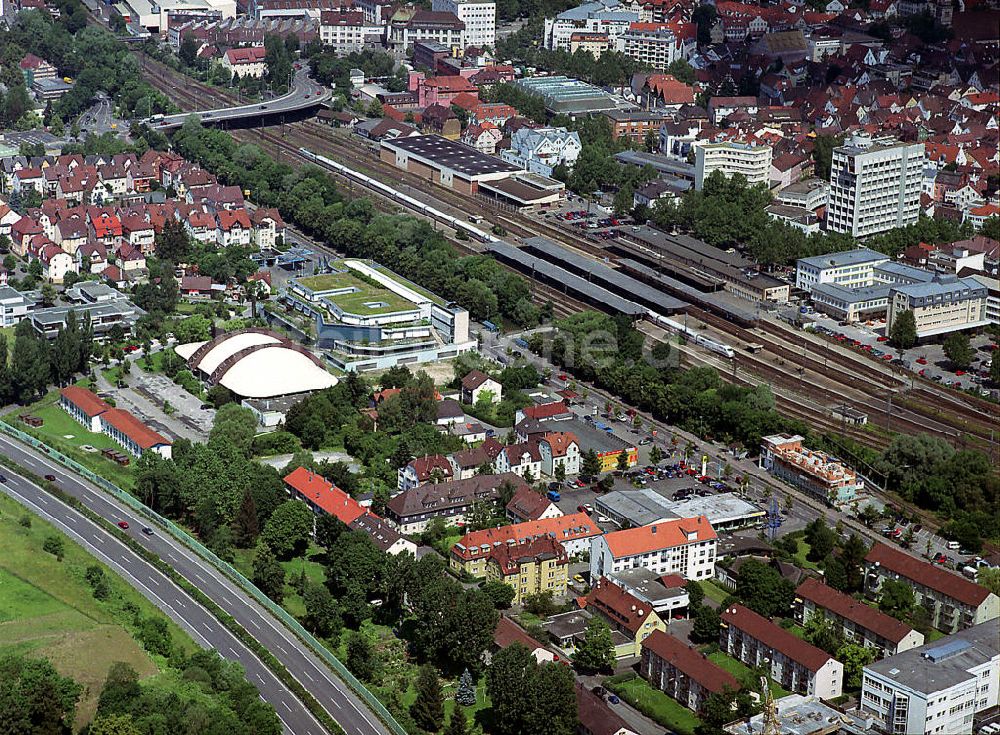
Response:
column 553, row 495
column 954, row 546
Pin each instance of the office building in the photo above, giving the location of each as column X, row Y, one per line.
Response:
column 944, row 304
column 685, row 546
column 480, row 19
column 819, row 474
column 936, row 688
column 609, row 17
column 791, row 662
column 874, row 185
column 732, row 157
column 848, row 269
column 954, row 603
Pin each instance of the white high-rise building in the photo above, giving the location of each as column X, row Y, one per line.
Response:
column 732, row 157
column 874, row 185
column 480, row 19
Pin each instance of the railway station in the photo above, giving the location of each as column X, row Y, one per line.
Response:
column 445, row 162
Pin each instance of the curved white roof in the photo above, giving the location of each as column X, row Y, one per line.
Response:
column 225, row 349
column 274, row 371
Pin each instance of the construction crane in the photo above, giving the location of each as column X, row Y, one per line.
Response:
column 772, row 726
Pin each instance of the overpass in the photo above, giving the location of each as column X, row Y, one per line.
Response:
column 300, row 102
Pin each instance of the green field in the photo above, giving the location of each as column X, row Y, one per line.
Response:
column 743, row 674
column 655, row 704
column 366, row 299
column 47, row 609
column 61, row 431
column 713, row 591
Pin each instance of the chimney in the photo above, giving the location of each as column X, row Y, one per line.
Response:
column 653, row 529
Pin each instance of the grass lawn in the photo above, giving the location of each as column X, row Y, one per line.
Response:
column 657, row 705
column 8, row 332
column 797, row 630
column 743, row 673
column 293, row 602
column 64, row 433
column 713, row 591
column 47, row 609
column 186, row 307
column 934, row 635
column 800, row 556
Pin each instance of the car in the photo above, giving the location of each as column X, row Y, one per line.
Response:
column 123, row 525
column 147, row 530
column 578, row 578
column 263, row 107
column 644, row 442
column 882, row 338
column 960, row 373
column 886, row 357
column 563, row 376
column 613, row 699
column 917, row 528
column 580, row 483
column 3, row 479
column 937, row 378
column 587, row 508
column 921, row 360
column 921, row 372
column 50, row 478
column 598, row 690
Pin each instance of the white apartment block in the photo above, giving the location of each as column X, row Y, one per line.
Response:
column 753, row 161
column 480, row 19
column 343, row 30
column 13, row 308
column 945, row 304
column 686, row 546
column 874, row 186
column 936, row 688
column 601, row 16
column 657, row 48
column 849, row 269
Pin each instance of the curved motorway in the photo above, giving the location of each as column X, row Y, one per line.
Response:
column 331, row 692
column 305, row 93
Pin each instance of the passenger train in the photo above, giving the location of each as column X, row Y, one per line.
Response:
column 697, row 337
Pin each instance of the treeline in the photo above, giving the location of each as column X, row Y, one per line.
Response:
column 334, row 70
column 32, row 363
column 729, row 213
column 309, row 198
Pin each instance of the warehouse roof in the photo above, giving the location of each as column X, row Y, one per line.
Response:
column 449, row 154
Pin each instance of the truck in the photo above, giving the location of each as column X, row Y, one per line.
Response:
column 521, row 342
column 490, row 326
column 553, row 495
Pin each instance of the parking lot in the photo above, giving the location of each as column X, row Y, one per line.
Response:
column 926, row 360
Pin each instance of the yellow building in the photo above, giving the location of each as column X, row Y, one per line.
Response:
column 625, row 613
column 539, row 565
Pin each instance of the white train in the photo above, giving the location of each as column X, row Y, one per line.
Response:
column 700, row 339
column 410, row 202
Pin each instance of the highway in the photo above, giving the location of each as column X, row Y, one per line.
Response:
column 332, row 693
column 304, row 93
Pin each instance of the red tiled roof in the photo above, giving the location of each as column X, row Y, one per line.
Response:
column 249, row 55
column 88, row 402
column 545, row 410
column 618, row 605
column 690, row 662
column 474, row 379
column 424, row 466
column 325, row 495
column 508, row 632
column 667, row 534
column 775, row 637
column 673, row 581
column 927, row 574
column 133, row 428
column 528, row 504
column 562, row 529
column 509, row 557
column 560, row 441
column 847, row 607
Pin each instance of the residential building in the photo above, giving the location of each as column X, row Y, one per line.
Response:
column 652, row 45
column 322, row 496
column 343, row 29
column 953, row 602
column 685, row 546
column 625, row 614
column 480, row 19
column 681, row 671
column 791, row 662
column 530, row 505
column 468, row 462
column 411, row 511
column 431, row 468
column 530, row 567
column 939, row 687
column 594, row 44
column 732, row 157
column 409, row 27
column 819, row 474
column 13, row 307
column 849, row 269
column 666, row 594
column 719, row 108
column 508, row 632
column 859, row 622
column 384, row 536
column 634, row 124
column 875, row 186
column 610, row 17
column 84, row 406
column 477, row 384
column 541, row 150
column 942, row 305
column 559, row 449
column 522, row 459
column 246, row 62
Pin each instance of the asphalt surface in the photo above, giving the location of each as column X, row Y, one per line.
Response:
column 304, row 93
column 332, row 693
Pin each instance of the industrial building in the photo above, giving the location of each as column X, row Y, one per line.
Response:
column 565, row 96
column 645, row 506
column 445, row 162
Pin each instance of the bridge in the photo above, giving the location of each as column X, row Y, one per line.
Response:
column 300, row 102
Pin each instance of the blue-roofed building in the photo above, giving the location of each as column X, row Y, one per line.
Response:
column 942, row 305
column 850, row 269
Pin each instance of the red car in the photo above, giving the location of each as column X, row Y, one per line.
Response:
column 921, row 360
column 886, row 357
column 883, row 338
column 921, row 372
column 123, row 525
column 562, row 376
column 960, row 372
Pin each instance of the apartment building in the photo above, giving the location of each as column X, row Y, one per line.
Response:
column 572, row 532
column 541, row 150
column 942, row 305
column 610, row 17
column 849, row 269
column 682, row 672
column 343, row 30
column 732, row 157
column 626, row 615
column 793, row 663
column 634, row 124
column 480, row 19
column 859, row 622
column 936, row 688
column 13, row 307
column 954, row 603
column 652, row 45
column 875, row 185
column 246, row 62
column 530, row 567
column 819, row 474
column 686, row 546
column 411, row 511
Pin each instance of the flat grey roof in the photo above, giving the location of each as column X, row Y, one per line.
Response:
column 605, row 275
column 662, row 164
column 851, row 295
column 647, row 505
column 943, row 288
column 591, row 437
column 645, row 585
column 448, row 154
column 572, row 283
column 846, row 257
column 58, row 314
column 917, row 669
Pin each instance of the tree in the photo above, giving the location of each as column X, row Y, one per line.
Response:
column 56, row 546
column 501, row 593
column 763, row 589
column 821, row 540
column 245, row 525
column 34, row 697
column 457, row 725
column 989, row 577
column 706, row 625
column 995, row 368
column 427, row 709
column 655, row 455
column 528, row 698
column 958, row 350
column 361, row 660
column 823, row 633
column 288, row 530
column 591, row 464
column 114, row 724
column 704, row 17
column 903, row 333
column 466, row 694
column 597, row 652
column 322, row 613
column 696, row 595
column 896, row 598
column 268, row 574
column 622, row 461
column 854, row 657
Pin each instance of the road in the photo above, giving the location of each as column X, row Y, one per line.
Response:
column 332, row 693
